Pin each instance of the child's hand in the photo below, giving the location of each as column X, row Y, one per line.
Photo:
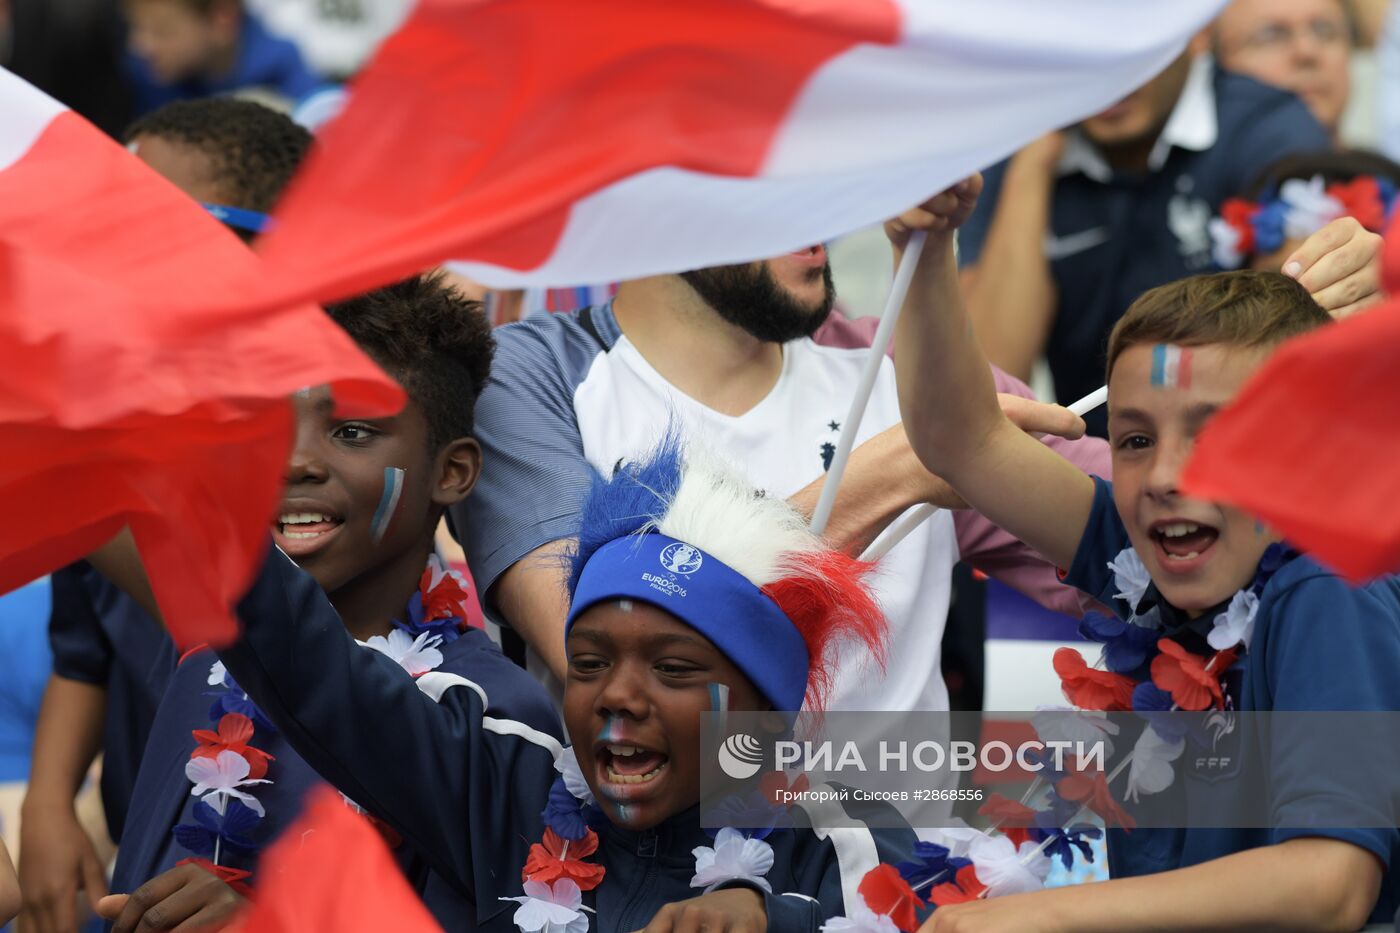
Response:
column 59, row 861
column 1340, row 266
column 943, row 213
column 186, row 897
column 736, row 910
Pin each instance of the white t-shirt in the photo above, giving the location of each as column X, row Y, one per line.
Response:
column 565, row 390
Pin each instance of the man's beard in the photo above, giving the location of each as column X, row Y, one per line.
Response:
column 750, row 298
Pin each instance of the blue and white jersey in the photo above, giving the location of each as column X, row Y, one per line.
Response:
column 570, row 390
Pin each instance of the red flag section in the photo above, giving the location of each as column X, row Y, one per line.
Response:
column 118, row 405
column 332, row 871
column 479, row 123
column 1312, row 443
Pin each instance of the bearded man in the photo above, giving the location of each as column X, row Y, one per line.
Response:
column 726, row 355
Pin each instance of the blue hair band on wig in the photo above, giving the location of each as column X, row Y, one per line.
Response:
column 637, row 494
column 711, row 597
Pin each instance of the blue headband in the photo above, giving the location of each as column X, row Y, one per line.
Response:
column 243, row 219
column 709, row 596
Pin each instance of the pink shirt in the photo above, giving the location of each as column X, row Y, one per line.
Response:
column 982, row 544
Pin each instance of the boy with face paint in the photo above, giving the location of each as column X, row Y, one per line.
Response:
column 688, row 592
column 111, row 661
column 1180, row 565
column 361, row 502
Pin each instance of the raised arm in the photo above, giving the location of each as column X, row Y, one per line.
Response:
column 463, row 786
column 949, row 403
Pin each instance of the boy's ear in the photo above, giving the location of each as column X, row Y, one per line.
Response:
column 458, row 466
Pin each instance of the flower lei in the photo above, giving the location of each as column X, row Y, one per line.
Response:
column 1149, row 674
column 1143, row 672
column 974, row 865
column 1296, row 210
column 225, row 765
column 555, row 873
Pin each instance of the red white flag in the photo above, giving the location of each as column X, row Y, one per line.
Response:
column 1312, row 443
column 119, row 403
column 332, row 871
column 549, row 142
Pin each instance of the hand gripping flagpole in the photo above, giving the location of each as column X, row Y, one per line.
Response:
column 893, row 304
column 921, row 512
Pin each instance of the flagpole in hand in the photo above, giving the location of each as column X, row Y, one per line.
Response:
column 874, row 357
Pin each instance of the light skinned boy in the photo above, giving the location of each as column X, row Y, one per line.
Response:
column 1179, row 354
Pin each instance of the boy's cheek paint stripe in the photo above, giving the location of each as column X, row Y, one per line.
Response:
column 388, row 502
column 1171, row 366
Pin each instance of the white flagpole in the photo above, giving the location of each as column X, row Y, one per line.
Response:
column 920, row 513
column 893, row 304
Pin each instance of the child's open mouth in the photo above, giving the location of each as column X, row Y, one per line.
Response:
column 630, row 764
column 1182, row 545
column 301, row 533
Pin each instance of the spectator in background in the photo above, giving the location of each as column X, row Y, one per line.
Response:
column 72, row 51
column 334, row 36
column 1075, row 226
column 185, row 49
column 726, row 353
column 1303, row 46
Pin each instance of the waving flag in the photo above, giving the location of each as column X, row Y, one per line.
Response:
column 119, row 404
column 547, row 142
column 1312, row 443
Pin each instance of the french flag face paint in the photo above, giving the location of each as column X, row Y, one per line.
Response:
column 1171, row 366
column 388, row 503
column 611, row 729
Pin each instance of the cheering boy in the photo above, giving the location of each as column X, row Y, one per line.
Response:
column 112, row 662
column 361, row 503
column 757, row 617
column 1311, row 643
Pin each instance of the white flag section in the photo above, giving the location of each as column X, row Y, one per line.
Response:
column 652, row 138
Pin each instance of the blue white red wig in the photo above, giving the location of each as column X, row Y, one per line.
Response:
column 682, row 531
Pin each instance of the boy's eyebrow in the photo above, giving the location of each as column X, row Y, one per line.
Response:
column 1201, row 411
column 1129, row 414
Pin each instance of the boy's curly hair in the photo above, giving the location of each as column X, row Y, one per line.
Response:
column 435, row 342
column 254, row 149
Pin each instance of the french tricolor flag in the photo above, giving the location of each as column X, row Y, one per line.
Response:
column 1171, row 366
column 122, row 403
column 552, row 142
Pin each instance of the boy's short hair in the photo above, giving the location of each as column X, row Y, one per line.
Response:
column 254, row 149
column 435, row 342
column 1241, row 309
